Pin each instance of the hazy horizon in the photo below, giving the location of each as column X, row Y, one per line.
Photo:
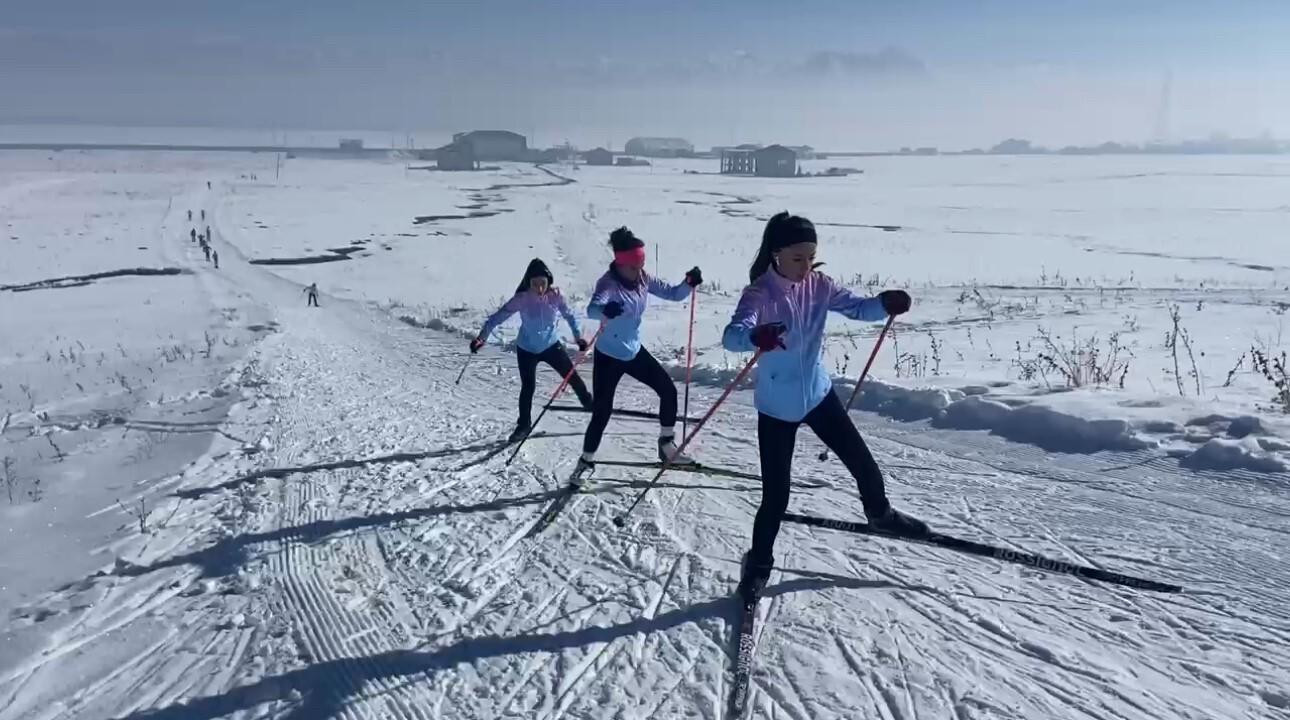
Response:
column 863, row 76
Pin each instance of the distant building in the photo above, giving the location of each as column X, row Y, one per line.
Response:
column 351, row 145
column 737, row 162
column 631, row 162
column 598, row 156
column 804, row 152
column 770, row 161
column 456, row 156
column 494, row 144
column 659, row 147
column 775, row 161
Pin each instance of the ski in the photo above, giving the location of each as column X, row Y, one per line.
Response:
column 743, row 644
column 625, row 413
column 558, row 503
column 699, row 468
column 684, row 467
column 971, row 547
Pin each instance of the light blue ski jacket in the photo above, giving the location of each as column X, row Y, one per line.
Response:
column 539, row 319
column 792, row 381
column 621, row 336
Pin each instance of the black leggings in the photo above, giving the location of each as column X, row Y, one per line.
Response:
column 558, row 359
column 605, row 375
column 776, row 439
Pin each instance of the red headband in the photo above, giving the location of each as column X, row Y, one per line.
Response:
column 631, row 258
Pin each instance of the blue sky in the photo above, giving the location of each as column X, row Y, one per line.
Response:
column 835, row 74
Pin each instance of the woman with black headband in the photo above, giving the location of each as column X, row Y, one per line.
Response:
column 782, row 313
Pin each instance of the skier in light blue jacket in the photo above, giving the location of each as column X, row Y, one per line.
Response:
column 540, row 306
column 619, row 302
column 782, row 312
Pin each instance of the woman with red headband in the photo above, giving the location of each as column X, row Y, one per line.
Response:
column 619, row 302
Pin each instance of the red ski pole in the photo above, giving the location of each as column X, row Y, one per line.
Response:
column 621, row 520
column 689, row 368
column 563, row 384
column 877, row 345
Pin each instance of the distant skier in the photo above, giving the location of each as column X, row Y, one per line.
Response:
column 540, row 306
column 190, row 215
column 783, row 312
column 207, row 249
column 208, row 234
column 203, row 216
column 192, row 233
column 208, row 184
column 215, row 257
column 312, row 290
column 619, row 302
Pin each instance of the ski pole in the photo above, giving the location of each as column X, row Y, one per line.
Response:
column 621, row 520
column 689, row 368
column 563, row 384
column 877, row 345
column 462, row 374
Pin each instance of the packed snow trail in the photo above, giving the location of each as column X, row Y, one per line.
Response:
column 390, row 568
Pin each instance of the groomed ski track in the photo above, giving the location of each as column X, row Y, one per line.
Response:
column 415, row 589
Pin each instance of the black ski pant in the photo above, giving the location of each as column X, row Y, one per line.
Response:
column 776, row 440
column 312, row 301
column 558, row 359
column 605, row 374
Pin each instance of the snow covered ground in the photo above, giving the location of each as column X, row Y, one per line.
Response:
column 330, row 530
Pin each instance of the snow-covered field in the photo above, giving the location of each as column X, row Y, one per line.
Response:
column 230, row 505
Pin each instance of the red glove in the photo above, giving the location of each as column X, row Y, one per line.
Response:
column 476, row 344
column 768, row 337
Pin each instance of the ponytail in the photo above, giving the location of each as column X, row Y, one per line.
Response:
column 781, row 231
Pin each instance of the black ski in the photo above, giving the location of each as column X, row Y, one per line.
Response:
column 971, row 547
column 743, row 644
column 642, row 414
column 548, row 516
column 684, row 467
column 699, row 468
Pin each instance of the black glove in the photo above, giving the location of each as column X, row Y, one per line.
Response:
column 695, row 277
column 612, row 309
column 582, row 345
column 768, row 337
column 895, row 302
column 476, row 344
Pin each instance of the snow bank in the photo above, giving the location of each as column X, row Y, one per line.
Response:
column 1045, row 427
column 1246, row 454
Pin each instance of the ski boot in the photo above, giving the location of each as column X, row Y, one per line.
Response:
column 520, row 432
column 752, row 580
column 670, row 454
column 897, row 523
column 585, row 465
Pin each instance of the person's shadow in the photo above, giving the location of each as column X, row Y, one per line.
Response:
column 325, row 687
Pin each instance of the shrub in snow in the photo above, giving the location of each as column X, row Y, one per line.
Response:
column 1078, row 363
column 1275, row 371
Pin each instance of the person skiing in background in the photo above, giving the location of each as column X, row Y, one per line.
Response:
column 207, row 249
column 312, row 300
column 203, row 216
column 215, row 257
column 540, row 305
column 208, row 184
column 619, row 301
column 782, row 312
column 208, row 233
column 190, row 216
column 192, row 233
